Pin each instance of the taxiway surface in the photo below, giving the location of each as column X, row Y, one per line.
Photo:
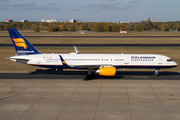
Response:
column 98, row 45
column 120, row 75
column 50, row 96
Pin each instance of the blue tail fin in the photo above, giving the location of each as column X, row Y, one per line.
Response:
column 22, row 46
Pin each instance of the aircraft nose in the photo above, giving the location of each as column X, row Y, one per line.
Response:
column 174, row 63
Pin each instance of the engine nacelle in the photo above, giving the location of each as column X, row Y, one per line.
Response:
column 106, row 71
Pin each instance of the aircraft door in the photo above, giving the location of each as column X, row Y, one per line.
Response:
column 38, row 60
column 126, row 60
column 160, row 61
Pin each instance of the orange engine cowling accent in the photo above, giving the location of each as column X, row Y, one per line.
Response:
column 106, row 71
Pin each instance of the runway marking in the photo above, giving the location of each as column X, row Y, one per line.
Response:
column 140, row 76
column 169, row 99
column 13, row 87
column 144, row 76
column 30, row 86
column 137, row 76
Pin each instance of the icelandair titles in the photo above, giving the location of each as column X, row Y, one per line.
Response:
column 22, row 51
column 143, row 57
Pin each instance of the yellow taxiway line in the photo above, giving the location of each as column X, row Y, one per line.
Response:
column 13, row 87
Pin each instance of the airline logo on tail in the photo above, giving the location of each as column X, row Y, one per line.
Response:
column 62, row 60
column 20, row 42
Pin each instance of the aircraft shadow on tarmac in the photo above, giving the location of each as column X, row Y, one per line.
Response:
column 52, row 71
column 119, row 74
column 71, row 75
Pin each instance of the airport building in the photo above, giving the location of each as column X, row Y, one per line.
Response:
column 43, row 20
column 49, row 21
column 74, row 21
column 8, row 20
column 24, row 20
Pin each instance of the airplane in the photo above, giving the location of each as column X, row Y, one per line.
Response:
column 101, row 64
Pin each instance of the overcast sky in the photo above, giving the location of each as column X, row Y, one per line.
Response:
column 90, row 10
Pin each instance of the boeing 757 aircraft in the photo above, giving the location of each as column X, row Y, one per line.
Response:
column 102, row 64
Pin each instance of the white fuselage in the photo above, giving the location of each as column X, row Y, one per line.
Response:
column 85, row 61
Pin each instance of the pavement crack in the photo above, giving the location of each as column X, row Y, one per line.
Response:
column 68, row 100
column 37, row 101
column 98, row 100
column 128, row 99
column 159, row 101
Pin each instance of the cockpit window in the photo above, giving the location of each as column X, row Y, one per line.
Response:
column 169, row 60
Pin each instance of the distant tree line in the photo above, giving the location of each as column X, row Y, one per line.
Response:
column 92, row 26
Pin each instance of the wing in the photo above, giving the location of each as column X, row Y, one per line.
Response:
column 94, row 66
column 85, row 66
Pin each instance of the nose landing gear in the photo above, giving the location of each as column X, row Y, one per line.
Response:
column 156, row 74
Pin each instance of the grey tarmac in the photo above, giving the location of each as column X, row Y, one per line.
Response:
column 129, row 97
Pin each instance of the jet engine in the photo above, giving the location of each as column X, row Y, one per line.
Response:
column 106, row 71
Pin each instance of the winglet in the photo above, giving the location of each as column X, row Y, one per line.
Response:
column 62, row 60
column 77, row 51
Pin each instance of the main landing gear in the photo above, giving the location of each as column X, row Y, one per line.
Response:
column 156, row 74
column 89, row 73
